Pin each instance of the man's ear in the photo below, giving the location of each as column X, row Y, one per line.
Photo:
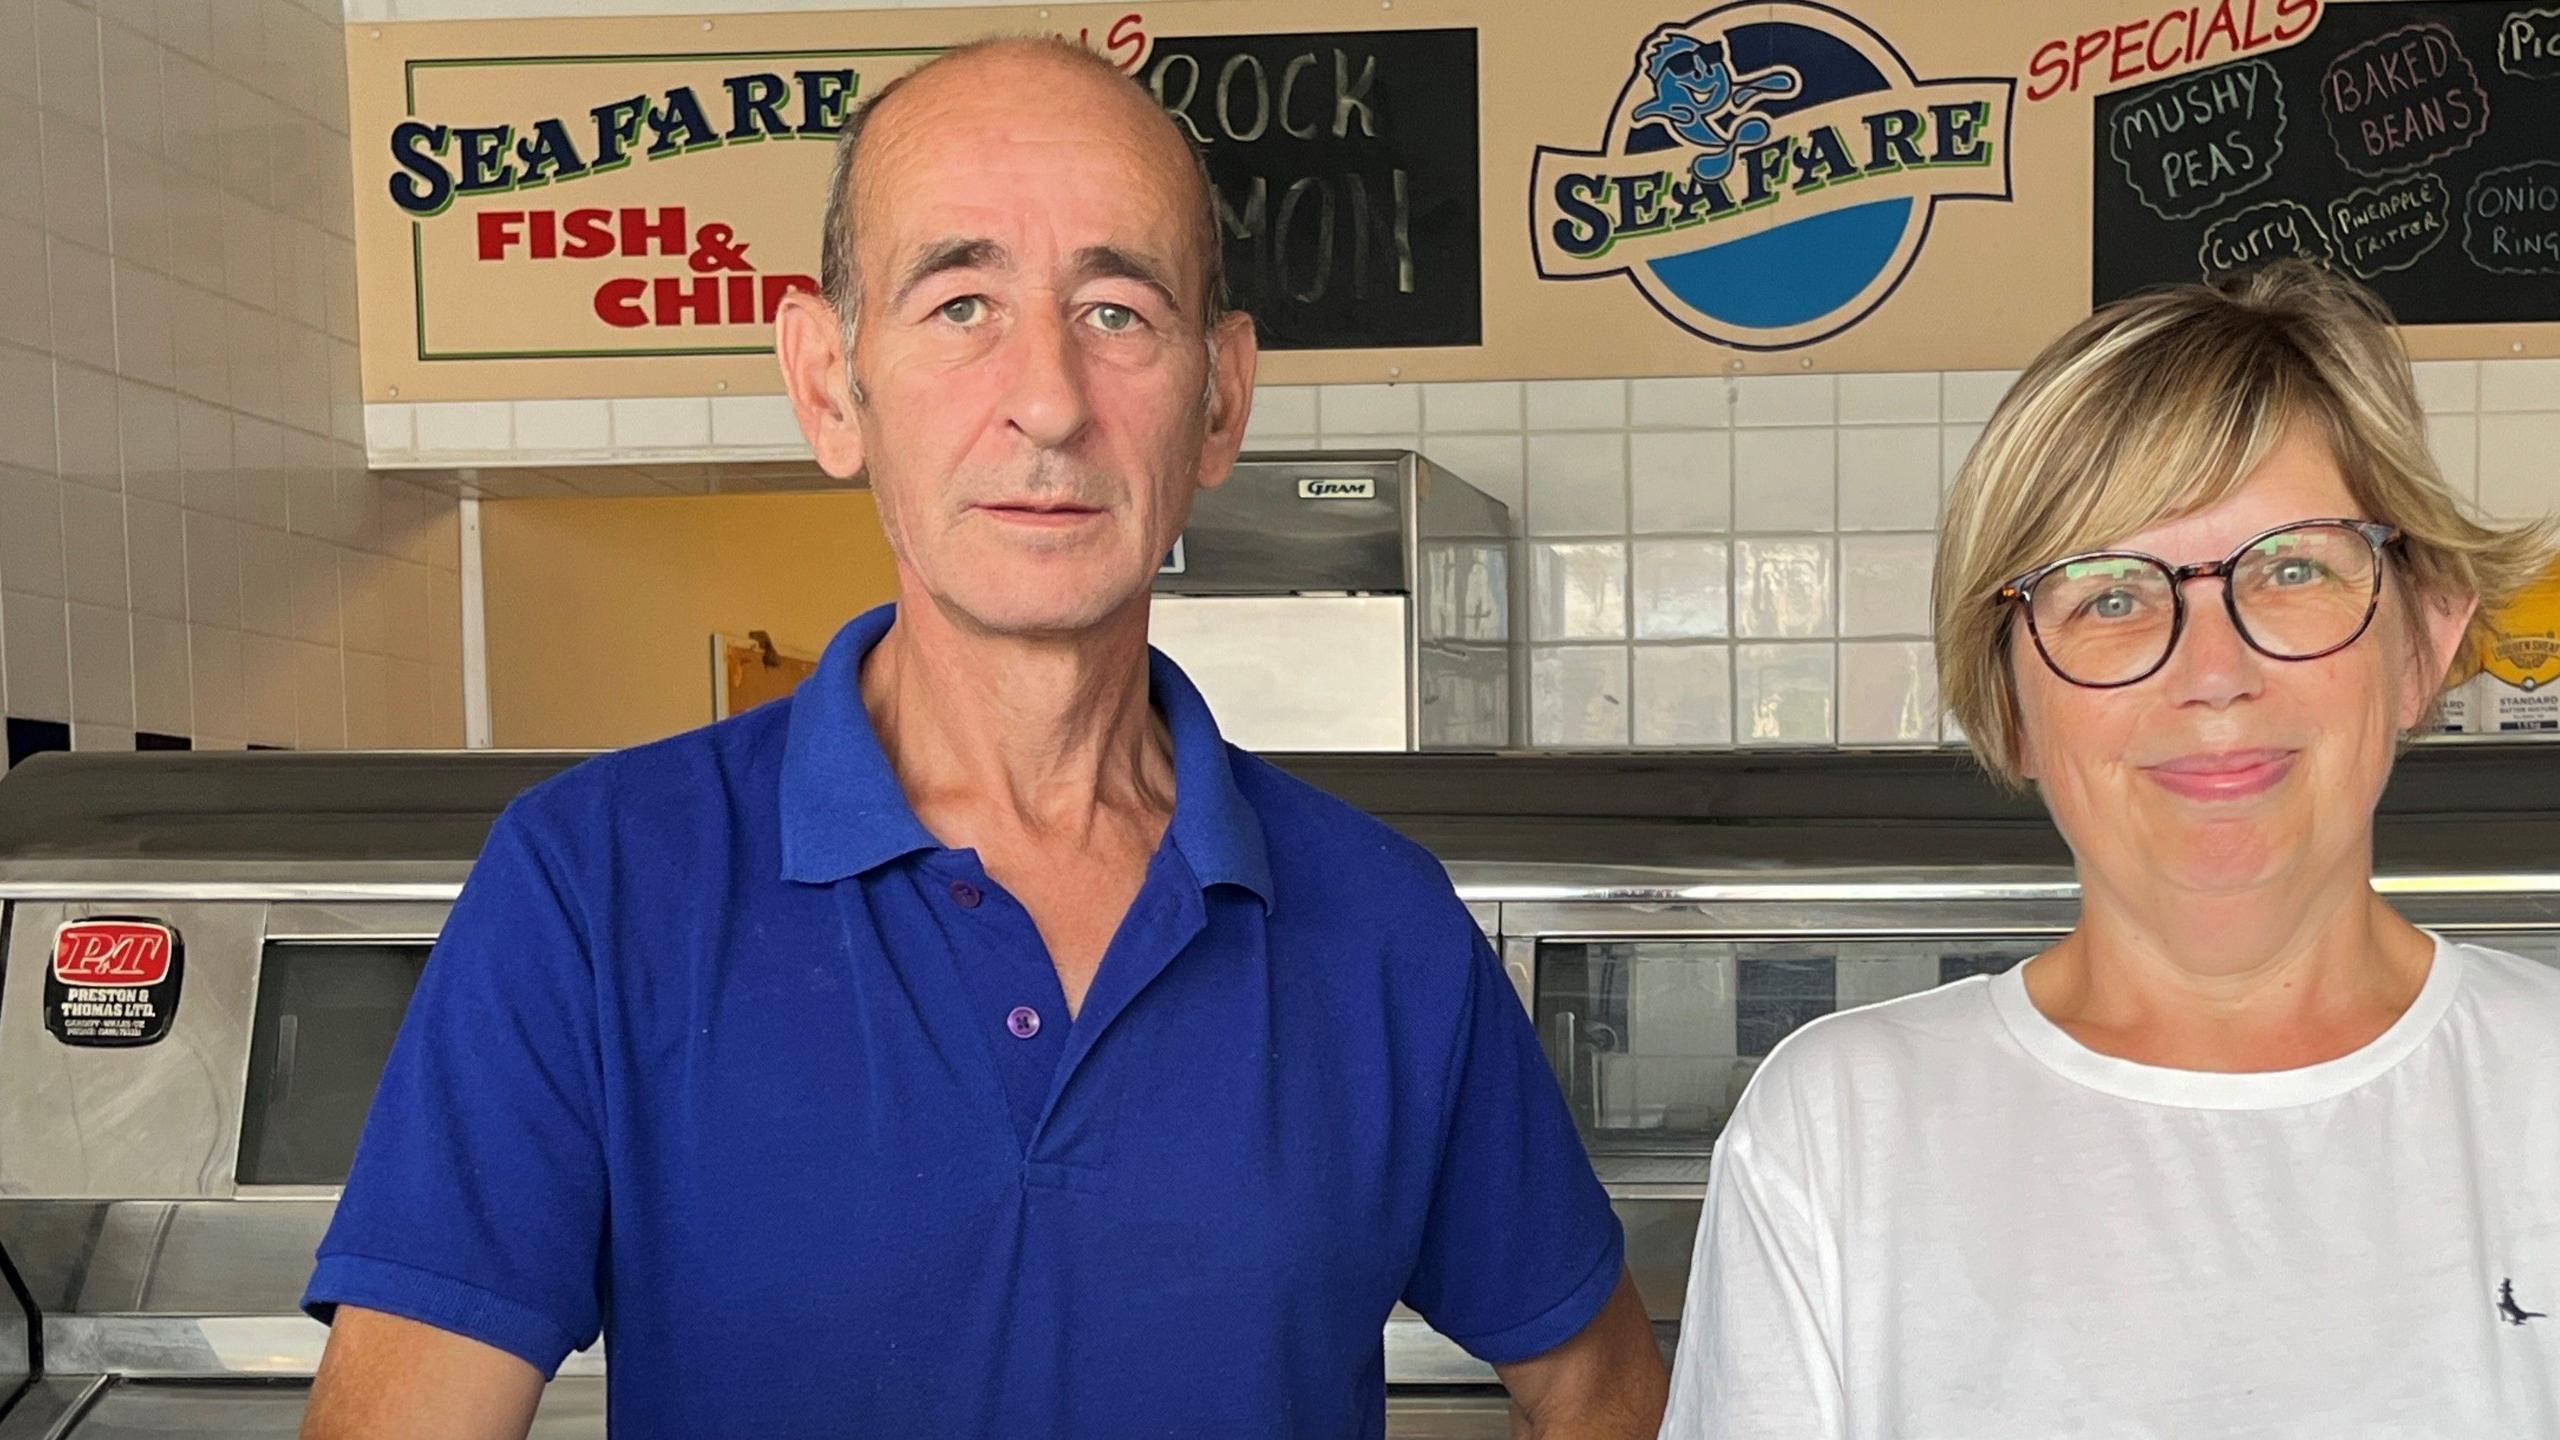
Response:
column 1234, row 357
column 809, row 341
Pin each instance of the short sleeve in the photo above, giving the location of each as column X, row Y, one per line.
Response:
column 477, row 1199
column 1521, row 1249
column 1757, row 1360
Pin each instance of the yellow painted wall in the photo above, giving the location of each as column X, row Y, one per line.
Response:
column 600, row 612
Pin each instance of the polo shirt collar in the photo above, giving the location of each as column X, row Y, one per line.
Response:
column 842, row 811
column 1214, row 826
column 844, row 814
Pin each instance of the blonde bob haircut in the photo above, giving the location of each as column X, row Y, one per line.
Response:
column 2161, row 404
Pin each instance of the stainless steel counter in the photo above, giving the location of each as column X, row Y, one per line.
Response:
column 1665, row 919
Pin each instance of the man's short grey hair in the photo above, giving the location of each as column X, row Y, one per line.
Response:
column 840, row 278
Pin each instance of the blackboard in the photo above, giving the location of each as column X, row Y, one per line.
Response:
column 2415, row 146
column 1347, row 176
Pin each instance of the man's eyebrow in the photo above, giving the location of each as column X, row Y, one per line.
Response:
column 947, row 255
column 1110, row 262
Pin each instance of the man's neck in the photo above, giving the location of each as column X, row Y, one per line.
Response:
column 991, row 735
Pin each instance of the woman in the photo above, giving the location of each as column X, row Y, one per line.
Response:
column 2245, row 1153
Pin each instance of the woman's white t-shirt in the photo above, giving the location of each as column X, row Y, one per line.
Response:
column 1944, row 1217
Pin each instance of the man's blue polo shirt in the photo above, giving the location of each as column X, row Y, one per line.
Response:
column 724, row 1055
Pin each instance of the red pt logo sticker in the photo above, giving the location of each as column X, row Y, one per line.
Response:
column 114, row 981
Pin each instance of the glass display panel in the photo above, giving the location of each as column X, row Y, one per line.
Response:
column 327, row 1013
column 1653, row 1040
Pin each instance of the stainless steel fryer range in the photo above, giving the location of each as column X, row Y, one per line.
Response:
column 1665, row 919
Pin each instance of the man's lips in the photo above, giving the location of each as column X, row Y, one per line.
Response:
column 2222, row 774
column 1039, row 512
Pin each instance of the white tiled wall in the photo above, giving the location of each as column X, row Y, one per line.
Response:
column 671, row 430
column 1711, row 561
column 190, row 542
column 1746, row 560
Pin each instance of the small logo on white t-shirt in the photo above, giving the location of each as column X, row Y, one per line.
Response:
column 2509, row 1310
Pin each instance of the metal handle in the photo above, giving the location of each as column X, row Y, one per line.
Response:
column 288, row 1033
column 1603, row 1041
column 1568, row 1056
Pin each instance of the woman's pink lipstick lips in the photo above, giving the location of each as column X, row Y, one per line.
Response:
column 2231, row 775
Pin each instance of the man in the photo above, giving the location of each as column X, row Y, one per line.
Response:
column 974, row 1044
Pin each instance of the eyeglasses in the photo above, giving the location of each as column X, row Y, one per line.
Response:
column 2296, row 592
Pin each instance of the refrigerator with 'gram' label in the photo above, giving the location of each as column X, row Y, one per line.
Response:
column 1346, row 601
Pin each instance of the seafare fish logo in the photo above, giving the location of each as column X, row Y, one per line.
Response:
column 1769, row 173
column 1697, row 94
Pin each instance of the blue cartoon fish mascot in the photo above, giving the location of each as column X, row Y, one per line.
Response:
column 1698, row 94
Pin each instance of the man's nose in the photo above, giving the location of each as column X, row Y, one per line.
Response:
column 1046, row 397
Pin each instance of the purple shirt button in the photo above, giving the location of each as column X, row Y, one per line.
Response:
column 966, row 894
column 1024, row 1022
